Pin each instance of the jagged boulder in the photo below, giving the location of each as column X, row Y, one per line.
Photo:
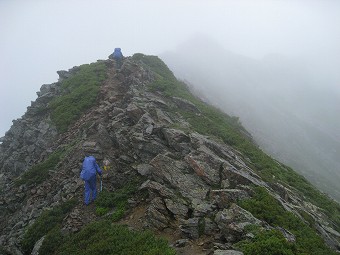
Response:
column 157, row 215
column 190, row 228
column 178, row 208
column 206, row 167
column 223, row 198
column 233, row 220
column 185, row 104
column 177, row 174
column 176, row 139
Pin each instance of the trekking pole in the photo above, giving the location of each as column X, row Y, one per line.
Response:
column 101, row 184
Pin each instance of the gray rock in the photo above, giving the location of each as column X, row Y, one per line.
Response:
column 144, row 169
column 227, row 252
column 175, row 138
column 181, row 242
column 93, row 148
column 158, row 188
column 202, row 208
column 232, row 222
column 116, row 111
column 157, row 215
column 45, row 88
column 29, row 136
column 178, row 209
column 134, row 112
column 177, row 175
column 104, row 139
column 210, row 227
column 242, row 176
column 163, row 117
column 147, row 150
column 63, row 75
column 332, row 242
column 222, row 246
column 149, row 129
column 89, row 145
column 236, row 214
column 126, row 158
column 190, row 228
column 37, row 246
column 185, row 104
column 205, row 166
column 288, row 235
column 224, row 197
column 14, row 250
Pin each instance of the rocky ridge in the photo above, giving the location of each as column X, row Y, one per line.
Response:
column 193, row 181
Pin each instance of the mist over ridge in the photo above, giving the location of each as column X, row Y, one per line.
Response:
column 288, row 104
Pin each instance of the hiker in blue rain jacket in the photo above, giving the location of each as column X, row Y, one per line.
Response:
column 88, row 174
column 118, row 57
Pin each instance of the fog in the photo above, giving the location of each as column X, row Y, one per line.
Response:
column 273, row 63
column 289, row 106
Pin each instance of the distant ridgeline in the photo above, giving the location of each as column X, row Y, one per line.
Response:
column 176, row 164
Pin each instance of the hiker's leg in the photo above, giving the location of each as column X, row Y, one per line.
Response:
column 87, row 193
column 93, row 188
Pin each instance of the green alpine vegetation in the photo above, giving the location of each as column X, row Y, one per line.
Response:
column 104, row 237
column 79, row 94
column 264, row 206
column 47, row 221
column 39, row 172
column 118, row 199
column 267, row 243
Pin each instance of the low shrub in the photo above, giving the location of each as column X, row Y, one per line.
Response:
column 267, row 243
column 119, row 212
column 48, row 220
column 102, row 210
column 4, row 251
column 263, row 206
column 52, row 241
column 38, row 173
column 103, row 237
column 79, row 94
column 117, row 199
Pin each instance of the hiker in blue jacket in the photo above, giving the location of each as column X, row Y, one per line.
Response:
column 118, row 57
column 88, row 174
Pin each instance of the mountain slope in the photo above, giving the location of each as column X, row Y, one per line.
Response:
column 289, row 106
column 178, row 166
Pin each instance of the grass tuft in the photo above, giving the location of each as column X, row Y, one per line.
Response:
column 79, row 94
column 43, row 224
column 38, row 173
column 263, row 206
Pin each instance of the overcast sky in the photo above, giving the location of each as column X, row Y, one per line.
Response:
column 39, row 37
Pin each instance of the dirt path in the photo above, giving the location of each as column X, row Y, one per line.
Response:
column 135, row 220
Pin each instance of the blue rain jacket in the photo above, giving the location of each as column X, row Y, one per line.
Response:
column 117, row 54
column 90, row 168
